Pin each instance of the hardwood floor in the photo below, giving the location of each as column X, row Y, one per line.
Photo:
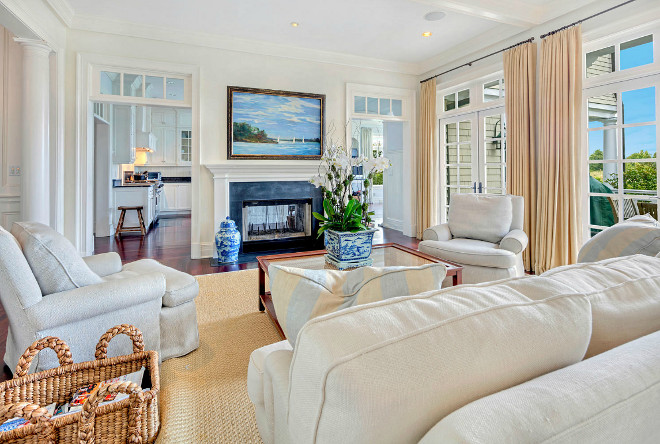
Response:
column 169, row 243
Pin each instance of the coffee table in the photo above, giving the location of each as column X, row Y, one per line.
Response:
column 384, row 255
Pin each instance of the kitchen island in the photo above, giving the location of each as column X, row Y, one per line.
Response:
column 146, row 195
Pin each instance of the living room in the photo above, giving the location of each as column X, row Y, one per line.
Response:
column 271, row 196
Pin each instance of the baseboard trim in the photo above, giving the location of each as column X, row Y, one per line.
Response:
column 202, row 250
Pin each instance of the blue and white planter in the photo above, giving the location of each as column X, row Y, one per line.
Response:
column 228, row 241
column 349, row 250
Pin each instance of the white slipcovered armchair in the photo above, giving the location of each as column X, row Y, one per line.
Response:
column 47, row 289
column 484, row 234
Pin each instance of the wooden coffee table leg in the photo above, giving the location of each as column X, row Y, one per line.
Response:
column 262, row 288
column 458, row 278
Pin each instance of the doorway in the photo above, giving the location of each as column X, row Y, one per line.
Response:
column 473, row 150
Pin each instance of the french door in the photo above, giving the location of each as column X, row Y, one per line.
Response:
column 473, row 155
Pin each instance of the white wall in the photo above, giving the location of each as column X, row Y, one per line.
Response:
column 218, row 69
column 11, row 70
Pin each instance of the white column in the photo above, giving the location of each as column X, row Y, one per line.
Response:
column 35, row 188
column 609, row 152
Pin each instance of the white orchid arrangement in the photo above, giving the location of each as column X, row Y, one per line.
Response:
column 345, row 211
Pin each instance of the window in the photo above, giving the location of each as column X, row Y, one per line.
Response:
column 186, row 153
column 622, row 134
column 619, row 57
column 122, row 84
column 458, row 99
column 493, row 90
column 378, row 106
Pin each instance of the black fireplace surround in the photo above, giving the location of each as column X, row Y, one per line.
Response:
column 240, row 192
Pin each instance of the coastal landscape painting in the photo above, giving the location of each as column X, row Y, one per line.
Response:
column 269, row 124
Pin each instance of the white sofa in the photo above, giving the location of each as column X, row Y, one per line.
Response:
column 484, row 234
column 569, row 356
column 47, row 289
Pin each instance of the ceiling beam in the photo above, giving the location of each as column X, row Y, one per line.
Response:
column 510, row 12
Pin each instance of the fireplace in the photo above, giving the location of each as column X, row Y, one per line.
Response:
column 276, row 219
column 275, row 215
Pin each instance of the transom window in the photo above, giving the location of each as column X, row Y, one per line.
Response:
column 118, row 85
column 493, row 90
column 378, row 106
column 620, row 56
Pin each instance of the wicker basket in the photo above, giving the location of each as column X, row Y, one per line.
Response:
column 133, row 420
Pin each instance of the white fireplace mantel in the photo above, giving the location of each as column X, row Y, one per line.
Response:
column 253, row 171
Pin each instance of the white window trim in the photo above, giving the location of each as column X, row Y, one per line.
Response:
column 475, row 86
column 634, row 78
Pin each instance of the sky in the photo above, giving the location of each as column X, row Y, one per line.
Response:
column 639, row 107
column 285, row 117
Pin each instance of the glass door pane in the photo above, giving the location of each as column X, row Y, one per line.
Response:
column 459, row 148
column 492, row 151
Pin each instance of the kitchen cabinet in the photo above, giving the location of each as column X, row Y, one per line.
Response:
column 177, row 197
column 123, row 134
column 172, row 129
column 165, row 147
column 163, row 117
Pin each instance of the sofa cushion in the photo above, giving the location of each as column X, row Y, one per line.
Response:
column 640, row 234
column 180, row 287
column 625, row 297
column 300, row 295
column 255, row 376
column 611, row 398
column 470, row 252
column 480, row 216
column 56, row 264
column 423, row 357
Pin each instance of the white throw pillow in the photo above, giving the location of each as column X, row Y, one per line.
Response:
column 300, row 295
column 480, row 216
column 53, row 259
column 641, row 235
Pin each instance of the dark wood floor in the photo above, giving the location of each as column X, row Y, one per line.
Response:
column 169, row 243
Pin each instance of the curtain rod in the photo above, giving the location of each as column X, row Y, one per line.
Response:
column 531, row 39
column 585, row 19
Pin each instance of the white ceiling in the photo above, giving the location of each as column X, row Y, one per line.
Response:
column 378, row 29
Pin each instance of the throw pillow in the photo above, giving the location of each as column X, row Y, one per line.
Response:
column 53, row 259
column 641, row 236
column 300, row 295
column 480, row 216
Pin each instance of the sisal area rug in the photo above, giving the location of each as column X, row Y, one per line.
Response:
column 204, row 394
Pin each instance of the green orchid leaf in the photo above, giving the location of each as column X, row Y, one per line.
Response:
column 327, row 206
column 319, row 216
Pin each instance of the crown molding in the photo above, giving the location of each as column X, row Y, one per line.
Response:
column 164, row 34
column 63, row 10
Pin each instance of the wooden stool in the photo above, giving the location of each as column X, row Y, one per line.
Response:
column 120, row 225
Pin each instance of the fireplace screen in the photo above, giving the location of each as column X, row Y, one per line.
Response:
column 276, row 219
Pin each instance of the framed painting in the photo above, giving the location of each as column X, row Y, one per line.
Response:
column 269, row 124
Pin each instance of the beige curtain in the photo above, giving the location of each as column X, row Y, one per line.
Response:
column 559, row 225
column 520, row 98
column 427, row 161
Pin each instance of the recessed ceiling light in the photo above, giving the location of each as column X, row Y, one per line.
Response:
column 295, row 24
column 434, row 16
column 426, row 34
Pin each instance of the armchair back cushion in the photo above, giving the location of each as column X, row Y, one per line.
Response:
column 480, row 216
column 19, row 288
column 54, row 261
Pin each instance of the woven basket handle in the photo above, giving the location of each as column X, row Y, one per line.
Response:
column 88, row 413
column 60, row 347
column 129, row 330
column 33, row 413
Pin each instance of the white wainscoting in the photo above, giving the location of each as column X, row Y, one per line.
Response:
column 10, row 211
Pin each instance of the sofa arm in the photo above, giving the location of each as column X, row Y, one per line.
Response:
column 437, row 233
column 93, row 300
column 515, row 241
column 104, row 264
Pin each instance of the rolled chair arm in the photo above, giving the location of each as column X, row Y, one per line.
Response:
column 437, row 233
column 515, row 241
column 104, row 264
column 93, row 300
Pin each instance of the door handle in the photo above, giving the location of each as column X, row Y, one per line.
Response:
column 474, row 187
column 480, row 188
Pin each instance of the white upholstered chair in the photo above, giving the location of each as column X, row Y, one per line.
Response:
column 484, row 234
column 47, row 289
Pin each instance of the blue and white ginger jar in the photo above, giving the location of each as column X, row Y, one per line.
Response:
column 228, row 241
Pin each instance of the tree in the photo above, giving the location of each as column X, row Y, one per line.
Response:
column 637, row 175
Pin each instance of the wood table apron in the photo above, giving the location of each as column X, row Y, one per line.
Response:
column 455, row 271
